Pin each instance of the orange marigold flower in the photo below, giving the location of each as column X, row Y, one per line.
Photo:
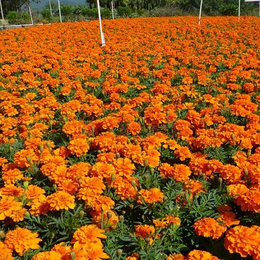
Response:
column 33, row 192
column 102, row 170
column 9, row 207
column 150, row 196
column 124, row 167
column 134, row 128
column 25, row 158
column 200, row 255
column 91, row 187
column 228, row 218
column 89, row 251
column 179, row 172
column 176, row 257
column 49, row 256
column 11, row 190
column 182, row 153
column 209, row 227
column 61, row 200
column 12, row 175
column 6, row 253
column 21, row 240
column 63, row 249
column 242, row 240
column 144, row 231
column 88, row 233
column 78, row 146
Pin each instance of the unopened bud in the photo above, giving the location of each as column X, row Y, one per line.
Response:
column 121, row 217
column 119, row 252
column 25, row 184
column 245, row 171
column 81, row 214
column 29, row 160
column 113, row 177
column 27, row 214
column 41, row 148
column 249, row 152
column 2, row 234
column 109, row 215
column 147, row 240
column 73, row 255
column 145, row 162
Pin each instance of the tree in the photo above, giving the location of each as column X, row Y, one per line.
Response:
column 15, row 5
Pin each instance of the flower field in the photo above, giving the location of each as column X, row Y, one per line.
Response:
column 147, row 148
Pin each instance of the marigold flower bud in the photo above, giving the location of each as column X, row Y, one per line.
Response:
column 119, row 252
column 73, row 255
column 2, row 234
column 81, row 214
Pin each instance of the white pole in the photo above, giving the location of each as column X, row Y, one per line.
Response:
column 201, row 3
column 50, row 7
column 59, row 11
column 103, row 43
column 2, row 12
column 30, row 12
column 112, row 5
column 239, row 8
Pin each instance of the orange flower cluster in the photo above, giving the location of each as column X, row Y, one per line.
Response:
column 164, row 103
column 168, row 220
column 86, row 245
column 193, row 255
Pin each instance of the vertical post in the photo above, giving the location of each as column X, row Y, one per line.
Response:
column 50, row 7
column 239, row 8
column 103, row 43
column 59, row 11
column 201, row 3
column 2, row 12
column 112, row 6
column 259, row 8
column 30, row 12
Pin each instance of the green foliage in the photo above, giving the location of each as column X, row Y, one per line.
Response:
column 17, row 18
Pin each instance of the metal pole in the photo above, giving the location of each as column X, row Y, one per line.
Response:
column 2, row 12
column 59, row 11
column 50, row 7
column 112, row 5
column 103, row 43
column 30, row 12
column 201, row 3
column 239, row 8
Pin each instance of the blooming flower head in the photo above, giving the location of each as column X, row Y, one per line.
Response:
column 21, row 240
column 243, row 240
column 209, row 227
column 61, row 200
column 200, row 255
column 47, row 256
column 150, row 196
column 6, row 253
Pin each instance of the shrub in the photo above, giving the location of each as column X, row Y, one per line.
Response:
column 16, row 18
column 124, row 11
